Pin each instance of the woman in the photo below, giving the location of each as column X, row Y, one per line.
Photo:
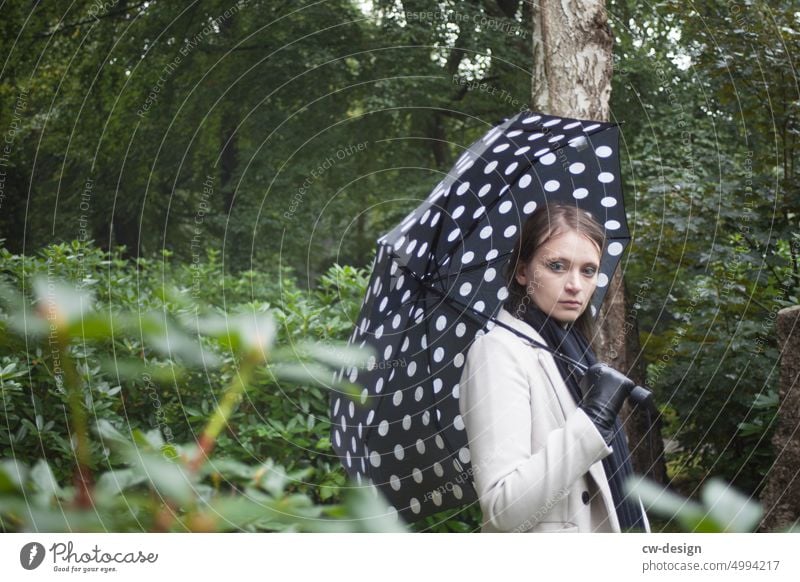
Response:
column 544, row 457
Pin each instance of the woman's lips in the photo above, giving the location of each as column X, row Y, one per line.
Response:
column 575, row 304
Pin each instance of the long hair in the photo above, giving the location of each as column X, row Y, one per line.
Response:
column 546, row 222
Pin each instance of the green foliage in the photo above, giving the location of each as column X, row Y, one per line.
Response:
column 144, row 366
column 721, row 509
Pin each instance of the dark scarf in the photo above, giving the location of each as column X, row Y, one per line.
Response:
column 570, row 341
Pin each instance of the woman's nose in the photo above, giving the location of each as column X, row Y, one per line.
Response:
column 573, row 282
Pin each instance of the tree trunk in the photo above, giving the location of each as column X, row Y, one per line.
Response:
column 781, row 495
column 572, row 68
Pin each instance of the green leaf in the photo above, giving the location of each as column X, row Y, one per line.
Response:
column 733, row 511
column 45, row 483
column 13, row 475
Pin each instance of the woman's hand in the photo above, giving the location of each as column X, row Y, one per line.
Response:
column 604, row 391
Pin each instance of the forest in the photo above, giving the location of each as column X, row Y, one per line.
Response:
column 190, row 199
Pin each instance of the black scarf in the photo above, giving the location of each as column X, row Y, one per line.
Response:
column 571, row 342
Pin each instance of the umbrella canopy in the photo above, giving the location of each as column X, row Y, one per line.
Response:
column 437, row 281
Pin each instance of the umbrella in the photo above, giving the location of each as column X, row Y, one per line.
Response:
column 436, row 284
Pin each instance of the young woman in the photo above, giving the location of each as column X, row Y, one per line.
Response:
column 545, row 456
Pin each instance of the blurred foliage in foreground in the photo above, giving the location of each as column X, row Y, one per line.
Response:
column 145, row 361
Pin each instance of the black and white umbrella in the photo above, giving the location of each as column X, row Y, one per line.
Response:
column 437, row 281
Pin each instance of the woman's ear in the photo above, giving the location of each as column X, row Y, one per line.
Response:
column 520, row 275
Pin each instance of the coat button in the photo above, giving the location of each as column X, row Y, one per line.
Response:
column 585, row 497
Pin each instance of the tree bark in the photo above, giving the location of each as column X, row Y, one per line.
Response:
column 781, row 495
column 572, row 69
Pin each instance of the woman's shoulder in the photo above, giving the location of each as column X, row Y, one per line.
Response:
column 509, row 331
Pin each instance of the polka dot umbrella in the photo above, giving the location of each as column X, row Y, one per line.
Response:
column 437, row 283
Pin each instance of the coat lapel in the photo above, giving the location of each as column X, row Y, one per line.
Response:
column 565, row 400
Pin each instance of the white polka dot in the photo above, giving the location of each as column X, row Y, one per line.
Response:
column 529, row 207
column 414, row 504
column 514, row 133
column 556, row 139
column 492, row 254
column 502, row 293
column 397, row 398
column 422, row 249
column 419, row 392
column 463, row 188
column 463, row 455
column 375, row 459
column 602, row 280
column 510, row 231
column 531, row 119
column 426, row 417
column 424, row 218
column 603, row 152
column 396, row 321
column 461, row 329
column 548, row 159
column 438, row 469
column 614, row 249
column 486, row 232
column 522, row 150
column 525, row 181
column 437, row 385
column 379, row 385
column 612, row 224
column 453, row 234
column 608, row 201
column 420, row 446
column 412, row 368
column 457, row 212
column 416, row 474
column 580, row 193
column 605, row 177
column 399, row 452
column 441, row 322
column 511, row 167
column 370, row 416
column 467, row 257
column 439, row 443
column 435, row 219
column 438, row 354
column 489, row 275
column 457, row 492
column 576, row 168
column 490, row 167
column 479, row 306
column 351, row 409
column 394, row 481
column 505, row 206
column 551, row 123
column 406, row 422
column 458, row 422
column 465, row 289
column 591, row 127
column 458, row 359
column 456, row 391
column 436, row 497
column 571, row 125
column 551, row 185
column 501, row 148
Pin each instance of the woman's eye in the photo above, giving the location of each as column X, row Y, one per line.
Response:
column 590, row 271
column 556, row 266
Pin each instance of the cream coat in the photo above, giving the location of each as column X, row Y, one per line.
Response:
column 536, row 457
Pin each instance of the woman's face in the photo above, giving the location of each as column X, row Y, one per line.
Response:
column 562, row 275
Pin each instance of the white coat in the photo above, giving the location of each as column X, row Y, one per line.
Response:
column 536, row 457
